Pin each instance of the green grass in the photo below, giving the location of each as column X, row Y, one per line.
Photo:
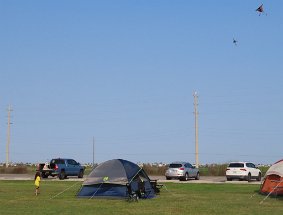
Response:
column 17, row 197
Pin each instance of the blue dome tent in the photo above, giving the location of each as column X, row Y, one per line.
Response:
column 116, row 179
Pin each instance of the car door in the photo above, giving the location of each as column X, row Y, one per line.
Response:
column 195, row 170
column 71, row 168
column 76, row 167
column 254, row 170
column 191, row 169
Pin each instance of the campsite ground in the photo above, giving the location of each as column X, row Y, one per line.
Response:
column 17, row 197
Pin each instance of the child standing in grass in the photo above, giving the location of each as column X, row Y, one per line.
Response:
column 36, row 182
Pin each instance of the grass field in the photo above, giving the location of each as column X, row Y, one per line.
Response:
column 17, row 197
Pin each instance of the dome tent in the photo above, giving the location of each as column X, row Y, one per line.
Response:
column 273, row 180
column 113, row 178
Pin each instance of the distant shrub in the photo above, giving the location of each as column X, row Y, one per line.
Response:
column 206, row 170
column 213, row 170
column 13, row 170
column 154, row 169
column 217, row 170
column 150, row 169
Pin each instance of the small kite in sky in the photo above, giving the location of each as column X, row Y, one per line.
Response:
column 235, row 42
column 260, row 10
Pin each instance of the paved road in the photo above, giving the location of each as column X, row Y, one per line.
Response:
column 16, row 177
column 206, row 180
column 31, row 177
column 161, row 179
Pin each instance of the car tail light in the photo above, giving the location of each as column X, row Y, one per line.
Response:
column 182, row 168
column 56, row 167
column 243, row 169
column 227, row 169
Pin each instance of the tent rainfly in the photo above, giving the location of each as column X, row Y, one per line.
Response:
column 114, row 179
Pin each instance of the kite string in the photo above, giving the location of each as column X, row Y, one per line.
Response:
column 135, row 176
column 64, row 190
column 270, row 192
column 96, row 190
column 169, row 190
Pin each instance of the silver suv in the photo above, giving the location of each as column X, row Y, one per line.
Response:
column 182, row 171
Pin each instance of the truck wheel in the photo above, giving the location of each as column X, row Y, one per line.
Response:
column 62, row 175
column 43, row 175
column 81, row 174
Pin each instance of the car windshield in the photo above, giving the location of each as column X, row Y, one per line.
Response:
column 236, row 165
column 175, row 165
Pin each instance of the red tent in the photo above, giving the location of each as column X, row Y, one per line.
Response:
column 273, row 180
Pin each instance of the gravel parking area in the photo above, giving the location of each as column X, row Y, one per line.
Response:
column 161, row 179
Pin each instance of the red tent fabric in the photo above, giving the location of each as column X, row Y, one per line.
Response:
column 273, row 180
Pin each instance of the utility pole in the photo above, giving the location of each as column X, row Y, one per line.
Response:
column 196, row 126
column 93, row 152
column 8, row 135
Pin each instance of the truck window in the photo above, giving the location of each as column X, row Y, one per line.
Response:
column 72, row 162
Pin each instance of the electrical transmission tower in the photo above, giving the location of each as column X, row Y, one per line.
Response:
column 8, row 135
column 196, row 126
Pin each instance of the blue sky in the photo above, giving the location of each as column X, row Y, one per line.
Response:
column 124, row 72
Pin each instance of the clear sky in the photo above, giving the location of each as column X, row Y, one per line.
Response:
column 124, row 72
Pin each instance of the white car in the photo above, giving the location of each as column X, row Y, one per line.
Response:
column 242, row 171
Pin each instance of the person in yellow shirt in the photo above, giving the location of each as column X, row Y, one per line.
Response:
column 36, row 182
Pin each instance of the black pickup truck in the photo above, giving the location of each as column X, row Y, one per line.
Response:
column 61, row 167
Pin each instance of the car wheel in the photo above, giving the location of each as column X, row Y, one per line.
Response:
column 186, row 176
column 259, row 177
column 81, row 174
column 62, row 175
column 197, row 177
column 229, row 179
column 168, row 178
column 249, row 177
